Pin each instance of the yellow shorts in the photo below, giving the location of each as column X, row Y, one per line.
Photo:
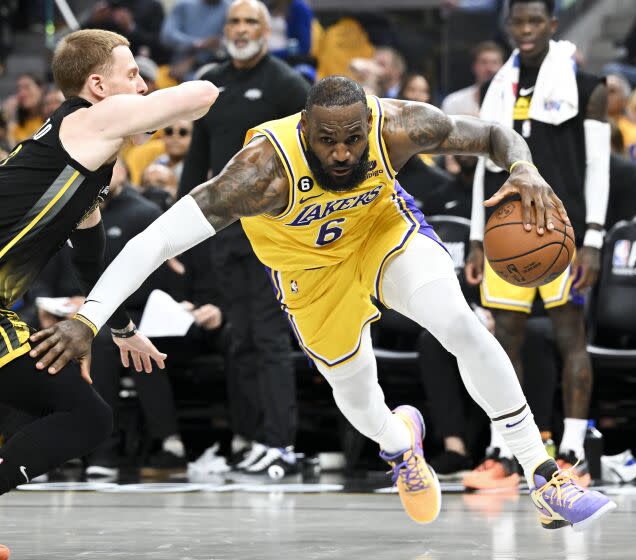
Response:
column 14, row 336
column 499, row 294
column 328, row 307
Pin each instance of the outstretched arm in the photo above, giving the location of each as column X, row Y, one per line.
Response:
column 412, row 128
column 253, row 182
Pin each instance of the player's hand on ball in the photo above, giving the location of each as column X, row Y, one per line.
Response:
column 61, row 343
column 141, row 351
column 474, row 267
column 586, row 268
column 526, row 181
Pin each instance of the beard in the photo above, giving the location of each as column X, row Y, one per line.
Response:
column 250, row 50
column 332, row 183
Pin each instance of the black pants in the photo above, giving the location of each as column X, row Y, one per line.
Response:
column 71, row 419
column 261, row 381
column 446, row 395
column 153, row 391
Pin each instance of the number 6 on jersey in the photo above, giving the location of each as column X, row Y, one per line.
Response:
column 329, row 233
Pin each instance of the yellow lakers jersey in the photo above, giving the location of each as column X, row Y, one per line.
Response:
column 321, row 228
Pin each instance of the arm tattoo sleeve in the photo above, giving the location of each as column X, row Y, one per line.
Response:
column 254, row 182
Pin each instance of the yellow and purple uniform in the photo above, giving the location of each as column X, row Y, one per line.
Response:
column 326, row 251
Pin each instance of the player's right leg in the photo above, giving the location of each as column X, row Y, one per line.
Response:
column 72, row 419
column 399, row 434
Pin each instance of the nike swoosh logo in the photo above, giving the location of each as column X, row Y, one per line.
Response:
column 87, row 300
column 303, row 200
column 524, row 92
column 23, row 471
column 517, row 423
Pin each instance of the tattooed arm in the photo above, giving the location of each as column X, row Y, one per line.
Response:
column 253, row 182
column 411, row 128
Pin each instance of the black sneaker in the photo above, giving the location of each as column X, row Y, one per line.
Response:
column 449, row 465
column 162, row 464
column 276, row 463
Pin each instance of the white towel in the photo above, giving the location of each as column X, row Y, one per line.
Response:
column 555, row 100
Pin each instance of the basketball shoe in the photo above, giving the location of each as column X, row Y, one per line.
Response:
column 494, row 472
column 561, row 502
column 568, row 461
column 417, row 483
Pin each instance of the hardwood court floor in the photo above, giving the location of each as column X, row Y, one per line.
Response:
column 199, row 522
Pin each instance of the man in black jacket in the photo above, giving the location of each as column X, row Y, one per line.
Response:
column 256, row 87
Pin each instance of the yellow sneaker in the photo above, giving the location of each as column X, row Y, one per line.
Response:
column 417, row 483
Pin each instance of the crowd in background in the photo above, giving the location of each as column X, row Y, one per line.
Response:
column 187, row 42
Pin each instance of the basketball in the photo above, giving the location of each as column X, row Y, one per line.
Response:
column 5, row 553
column 525, row 258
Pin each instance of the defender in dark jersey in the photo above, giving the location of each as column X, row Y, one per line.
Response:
column 50, row 189
column 572, row 151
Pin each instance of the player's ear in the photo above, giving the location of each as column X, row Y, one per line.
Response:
column 303, row 122
column 95, row 84
column 369, row 117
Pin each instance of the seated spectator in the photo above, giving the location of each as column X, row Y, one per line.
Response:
column 53, row 98
column 291, row 22
column 176, row 139
column 159, row 185
column 367, row 73
column 415, row 87
column 193, row 30
column 138, row 20
column 26, row 117
column 618, row 94
column 488, row 57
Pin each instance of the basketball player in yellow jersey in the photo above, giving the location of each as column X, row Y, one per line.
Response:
column 319, row 200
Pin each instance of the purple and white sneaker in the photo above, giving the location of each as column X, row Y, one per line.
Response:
column 561, row 502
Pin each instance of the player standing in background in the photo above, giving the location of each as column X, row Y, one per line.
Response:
column 561, row 112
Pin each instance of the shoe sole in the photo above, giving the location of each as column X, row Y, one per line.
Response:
column 438, row 487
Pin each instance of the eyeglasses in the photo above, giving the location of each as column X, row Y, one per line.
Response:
column 169, row 131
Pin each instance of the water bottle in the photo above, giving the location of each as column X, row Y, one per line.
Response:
column 593, row 449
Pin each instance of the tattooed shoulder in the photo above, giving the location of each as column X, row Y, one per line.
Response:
column 425, row 125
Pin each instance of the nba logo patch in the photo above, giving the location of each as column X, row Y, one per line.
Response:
column 294, row 286
column 622, row 249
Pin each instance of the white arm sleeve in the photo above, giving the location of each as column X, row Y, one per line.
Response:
column 597, row 157
column 182, row 227
column 478, row 214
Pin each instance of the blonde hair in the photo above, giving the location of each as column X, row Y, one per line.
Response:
column 81, row 54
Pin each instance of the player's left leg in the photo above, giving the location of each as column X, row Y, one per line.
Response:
column 569, row 330
column 399, row 434
column 421, row 284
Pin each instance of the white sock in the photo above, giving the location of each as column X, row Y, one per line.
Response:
column 173, row 444
column 574, row 437
column 498, row 442
column 519, row 431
